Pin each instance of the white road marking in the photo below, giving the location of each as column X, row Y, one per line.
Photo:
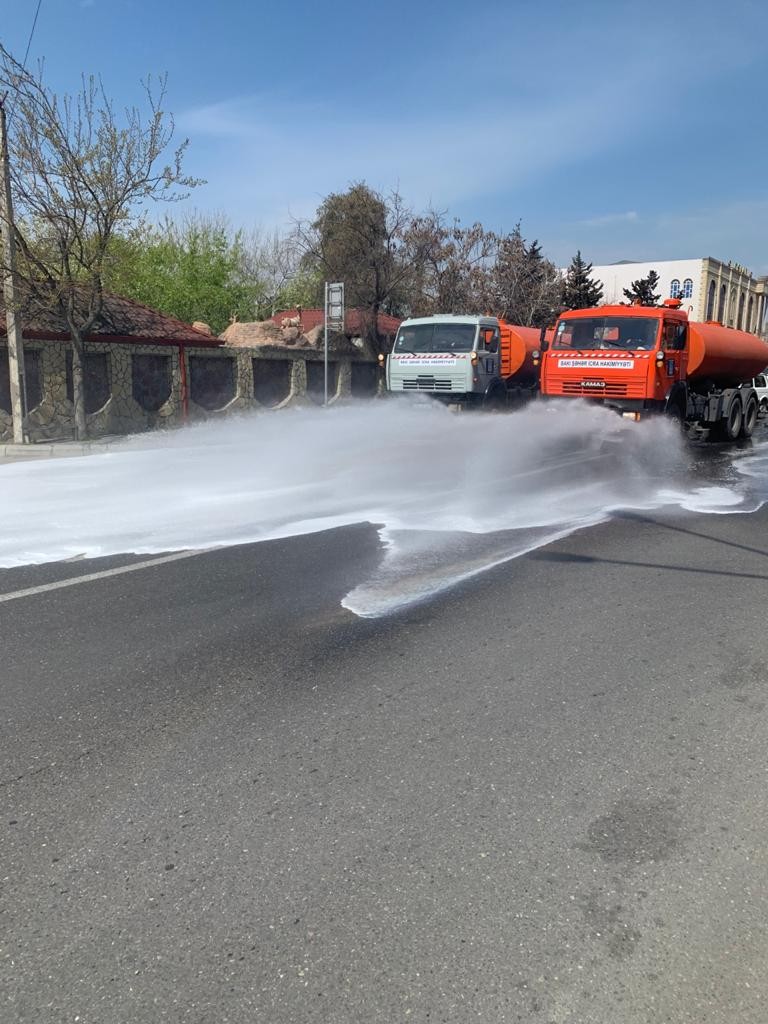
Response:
column 73, row 581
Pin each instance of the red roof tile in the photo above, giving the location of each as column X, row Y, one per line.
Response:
column 121, row 320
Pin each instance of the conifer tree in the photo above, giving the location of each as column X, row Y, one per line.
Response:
column 643, row 291
column 580, row 289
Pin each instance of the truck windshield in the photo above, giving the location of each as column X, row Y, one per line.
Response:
column 436, row 338
column 601, row 332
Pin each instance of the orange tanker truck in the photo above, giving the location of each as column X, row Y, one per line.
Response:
column 464, row 360
column 643, row 360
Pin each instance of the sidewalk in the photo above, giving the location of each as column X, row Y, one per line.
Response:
column 55, row 449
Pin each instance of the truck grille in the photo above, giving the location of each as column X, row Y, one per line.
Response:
column 607, row 389
column 425, row 383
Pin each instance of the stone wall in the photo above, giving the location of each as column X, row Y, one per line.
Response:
column 132, row 388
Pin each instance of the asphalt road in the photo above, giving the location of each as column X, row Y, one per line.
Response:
column 541, row 797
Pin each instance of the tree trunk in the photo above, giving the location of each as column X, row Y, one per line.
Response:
column 78, row 389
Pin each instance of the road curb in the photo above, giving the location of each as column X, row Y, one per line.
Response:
column 53, row 450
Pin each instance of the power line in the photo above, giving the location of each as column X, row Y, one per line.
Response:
column 31, row 34
column 26, row 54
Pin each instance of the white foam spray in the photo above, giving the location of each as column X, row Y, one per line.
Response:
column 451, row 494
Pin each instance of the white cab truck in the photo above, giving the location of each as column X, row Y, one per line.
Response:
column 464, row 360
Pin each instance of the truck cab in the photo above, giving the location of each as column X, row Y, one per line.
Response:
column 627, row 357
column 454, row 358
column 642, row 360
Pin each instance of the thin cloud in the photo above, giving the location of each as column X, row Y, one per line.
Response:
column 728, row 231
column 267, row 150
column 609, row 219
column 266, row 155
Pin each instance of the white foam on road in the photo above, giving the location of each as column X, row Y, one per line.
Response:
column 452, row 494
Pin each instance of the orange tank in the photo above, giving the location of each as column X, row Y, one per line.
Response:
column 516, row 348
column 723, row 355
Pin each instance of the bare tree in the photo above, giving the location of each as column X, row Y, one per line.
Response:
column 273, row 262
column 394, row 261
column 448, row 265
column 524, row 286
column 79, row 172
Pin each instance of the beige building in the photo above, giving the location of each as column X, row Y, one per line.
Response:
column 709, row 289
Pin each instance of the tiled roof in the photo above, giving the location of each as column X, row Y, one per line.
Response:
column 354, row 321
column 120, row 320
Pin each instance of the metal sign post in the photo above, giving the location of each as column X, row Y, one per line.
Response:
column 334, row 320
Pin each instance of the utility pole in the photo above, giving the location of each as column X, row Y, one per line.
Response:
column 10, row 291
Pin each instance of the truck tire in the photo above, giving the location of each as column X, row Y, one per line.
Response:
column 495, row 399
column 750, row 417
column 729, row 427
column 676, row 410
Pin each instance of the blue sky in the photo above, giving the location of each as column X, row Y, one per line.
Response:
column 629, row 130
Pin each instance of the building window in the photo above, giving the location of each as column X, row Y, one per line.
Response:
column 365, row 379
column 151, row 380
column 687, row 288
column 750, row 325
column 32, row 377
column 740, row 321
column 710, row 301
column 96, row 381
column 271, row 380
column 674, row 289
column 732, row 308
column 721, row 306
column 316, row 379
column 211, row 381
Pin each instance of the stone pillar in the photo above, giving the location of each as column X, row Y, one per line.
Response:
column 298, row 379
column 245, row 377
column 343, row 379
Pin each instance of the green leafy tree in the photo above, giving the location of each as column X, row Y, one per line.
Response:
column 580, row 289
column 193, row 270
column 643, row 291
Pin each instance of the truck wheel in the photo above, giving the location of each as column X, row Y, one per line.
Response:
column 729, row 427
column 763, row 406
column 495, row 400
column 676, row 412
column 750, row 417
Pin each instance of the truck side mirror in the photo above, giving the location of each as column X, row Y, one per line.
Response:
column 543, row 343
